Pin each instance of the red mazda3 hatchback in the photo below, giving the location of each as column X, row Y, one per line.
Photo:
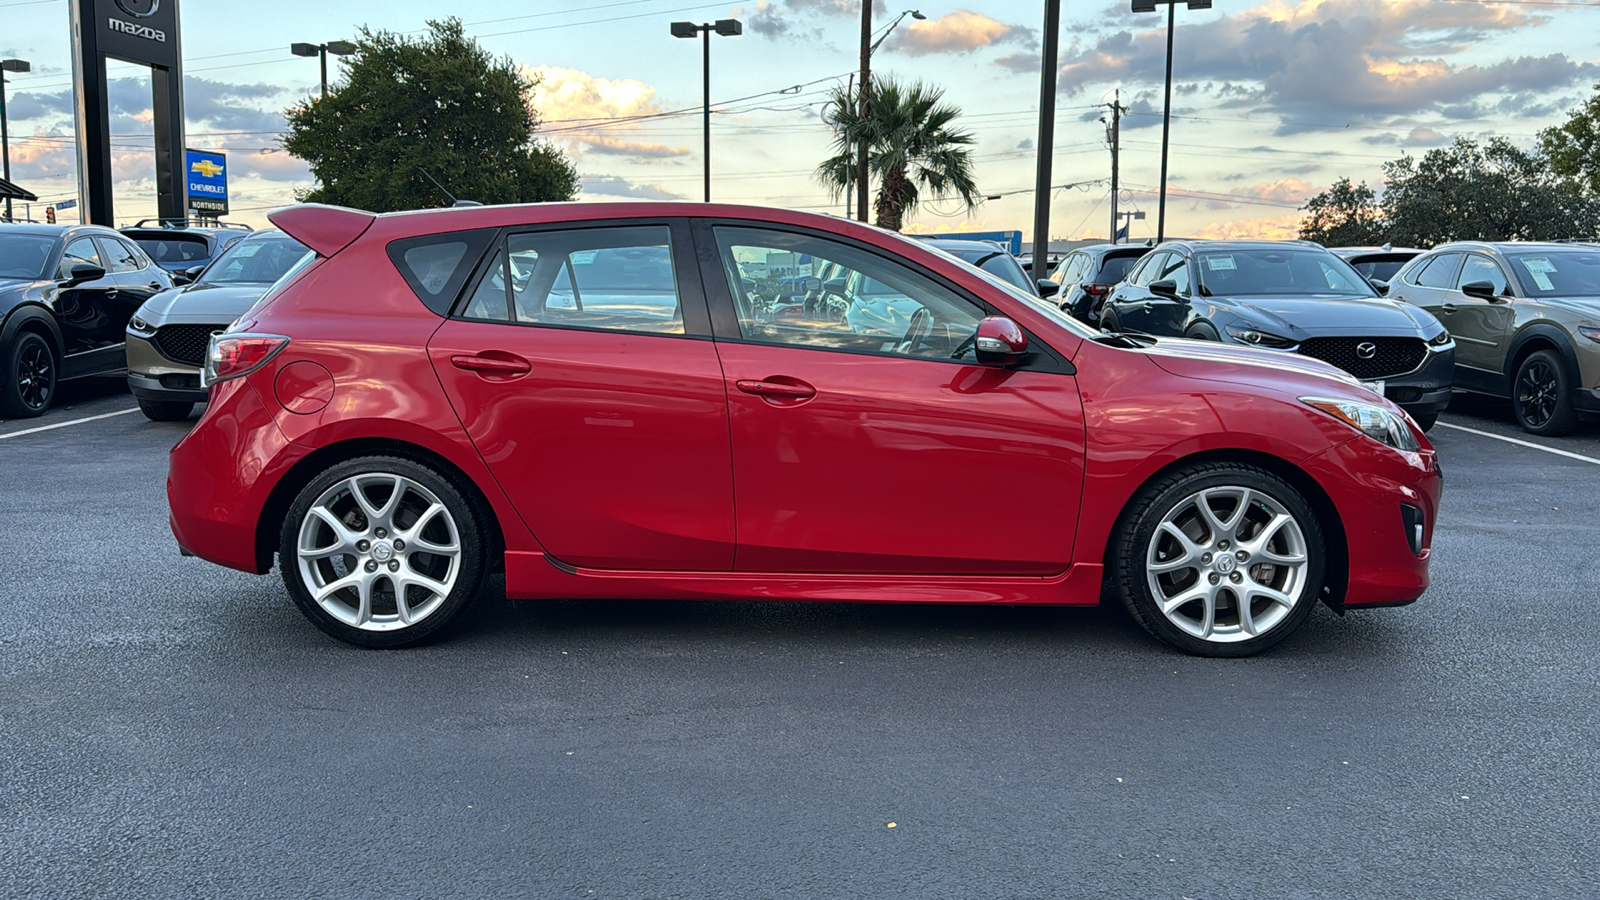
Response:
column 705, row 401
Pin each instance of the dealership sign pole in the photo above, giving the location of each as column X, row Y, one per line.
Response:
column 144, row 32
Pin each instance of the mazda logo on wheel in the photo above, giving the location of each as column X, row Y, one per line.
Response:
column 139, row 9
column 1367, row 350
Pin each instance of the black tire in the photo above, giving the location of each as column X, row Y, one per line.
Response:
column 28, row 383
column 386, row 629
column 1200, row 331
column 1541, row 394
column 1174, row 493
column 165, row 410
column 1426, row 420
column 1108, row 321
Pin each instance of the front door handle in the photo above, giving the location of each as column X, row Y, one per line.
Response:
column 792, row 389
column 501, row 364
column 156, row 285
column 1447, row 308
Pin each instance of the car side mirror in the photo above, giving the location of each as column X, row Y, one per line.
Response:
column 191, row 274
column 1483, row 290
column 1000, row 342
column 1379, row 285
column 1165, row 288
column 1048, row 288
column 811, row 284
column 85, row 272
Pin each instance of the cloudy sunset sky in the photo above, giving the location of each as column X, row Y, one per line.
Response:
column 1272, row 100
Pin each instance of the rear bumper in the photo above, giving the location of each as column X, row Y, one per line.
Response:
column 1368, row 484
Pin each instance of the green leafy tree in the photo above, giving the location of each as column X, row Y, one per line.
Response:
column 914, row 149
column 437, row 102
column 1489, row 192
column 1345, row 215
column 1574, row 146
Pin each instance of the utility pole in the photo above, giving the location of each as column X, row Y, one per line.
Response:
column 1047, row 135
column 1114, row 135
column 861, row 107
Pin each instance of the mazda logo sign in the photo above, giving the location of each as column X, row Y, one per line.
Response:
column 139, row 9
column 1366, row 350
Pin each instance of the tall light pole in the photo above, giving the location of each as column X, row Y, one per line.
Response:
column 869, row 47
column 1047, row 138
column 321, row 51
column 726, row 28
column 1166, row 107
column 8, row 65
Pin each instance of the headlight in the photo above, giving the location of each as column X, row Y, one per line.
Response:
column 1260, row 338
column 1589, row 332
column 140, row 326
column 1376, row 422
column 1440, row 339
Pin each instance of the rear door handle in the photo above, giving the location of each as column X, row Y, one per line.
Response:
column 500, row 364
column 799, row 391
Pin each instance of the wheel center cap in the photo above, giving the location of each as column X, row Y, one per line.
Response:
column 382, row 551
column 1225, row 563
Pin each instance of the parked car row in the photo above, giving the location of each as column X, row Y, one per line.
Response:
column 81, row 300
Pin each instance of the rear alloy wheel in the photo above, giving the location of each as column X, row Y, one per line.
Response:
column 1541, row 397
column 165, row 410
column 29, row 385
column 382, row 551
column 1220, row 560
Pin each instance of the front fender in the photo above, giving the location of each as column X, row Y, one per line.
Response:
column 31, row 312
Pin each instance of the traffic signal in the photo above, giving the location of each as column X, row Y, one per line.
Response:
column 50, row 214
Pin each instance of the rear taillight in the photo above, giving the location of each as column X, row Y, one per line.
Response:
column 233, row 355
column 1097, row 290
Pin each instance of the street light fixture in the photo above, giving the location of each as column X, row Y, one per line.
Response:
column 1141, row 6
column 869, row 47
column 726, row 28
column 8, row 65
column 321, row 51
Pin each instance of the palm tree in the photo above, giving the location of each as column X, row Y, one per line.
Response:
column 912, row 148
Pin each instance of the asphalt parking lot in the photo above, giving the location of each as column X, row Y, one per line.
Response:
column 172, row 729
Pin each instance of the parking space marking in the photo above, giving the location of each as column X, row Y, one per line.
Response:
column 120, row 412
column 1511, row 440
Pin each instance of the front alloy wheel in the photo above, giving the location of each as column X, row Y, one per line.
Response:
column 1221, row 560
column 29, row 382
column 381, row 552
column 1540, row 396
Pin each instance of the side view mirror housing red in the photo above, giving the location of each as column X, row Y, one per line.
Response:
column 1000, row 342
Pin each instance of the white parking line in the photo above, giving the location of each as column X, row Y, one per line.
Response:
column 120, row 412
column 1521, row 443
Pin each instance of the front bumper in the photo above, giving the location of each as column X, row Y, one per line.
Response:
column 1426, row 389
column 153, row 377
column 1368, row 484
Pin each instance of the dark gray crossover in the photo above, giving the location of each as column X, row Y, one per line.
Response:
column 1293, row 296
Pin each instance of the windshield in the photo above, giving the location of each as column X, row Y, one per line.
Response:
column 24, row 255
column 1054, row 312
column 260, row 260
column 998, row 263
column 1558, row 273
column 1279, row 271
column 176, row 250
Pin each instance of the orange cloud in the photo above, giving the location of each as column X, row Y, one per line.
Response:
column 1267, row 228
column 962, row 31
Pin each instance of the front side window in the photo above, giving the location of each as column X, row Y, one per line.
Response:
column 119, row 256
column 80, row 252
column 1176, row 270
column 618, row 279
column 1149, row 266
column 1479, row 268
column 1440, row 272
column 869, row 305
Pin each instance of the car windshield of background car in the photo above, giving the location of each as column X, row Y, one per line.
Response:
column 259, row 261
column 1279, row 272
column 1052, row 311
column 1561, row 273
column 175, row 249
column 24, row 255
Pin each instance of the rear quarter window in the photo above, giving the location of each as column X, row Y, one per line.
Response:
column 436, row 266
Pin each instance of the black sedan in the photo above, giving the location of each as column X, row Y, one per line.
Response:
column 1088, row 274
column 1292, row 296
column 66, row 295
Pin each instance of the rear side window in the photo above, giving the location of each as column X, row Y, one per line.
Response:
column 437, row 265
column 617, row 279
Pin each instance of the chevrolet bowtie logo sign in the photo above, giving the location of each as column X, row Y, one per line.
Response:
column 205, row 167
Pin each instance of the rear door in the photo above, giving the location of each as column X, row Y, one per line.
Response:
column 580, row 362
column 857, row 450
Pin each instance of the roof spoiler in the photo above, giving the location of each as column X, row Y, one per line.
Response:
column 325, row 229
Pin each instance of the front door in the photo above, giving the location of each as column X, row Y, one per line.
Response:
column 582, row 368
column 1481, row 327
column 857, row 451
column 90, row 313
